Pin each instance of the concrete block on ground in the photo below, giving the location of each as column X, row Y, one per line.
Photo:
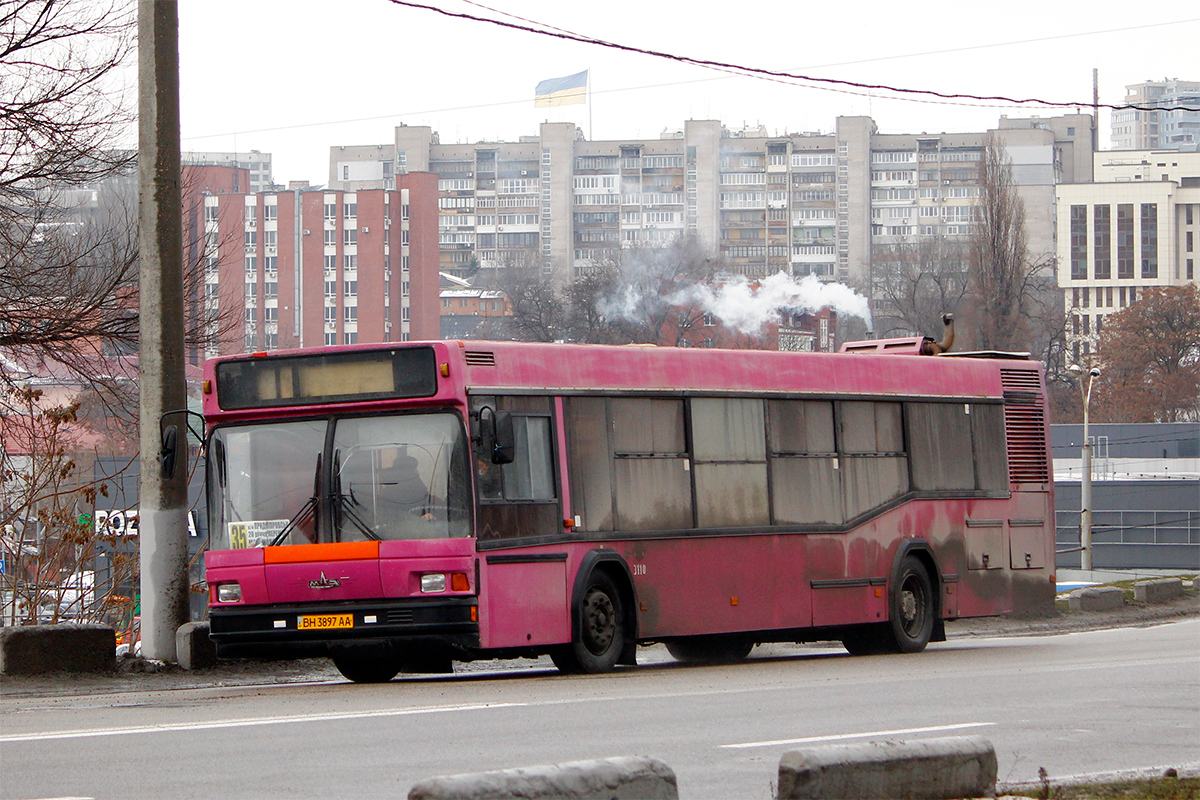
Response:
column 1162, row 590
column 34, row 649
column 623, row 778
column 924, row 769
column 193, row 648
column 1096, row 598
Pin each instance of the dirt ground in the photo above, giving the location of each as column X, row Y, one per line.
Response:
column 137, row 674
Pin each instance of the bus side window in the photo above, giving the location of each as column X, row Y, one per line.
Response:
column 520, row 499
column 805, row 479
column 651, row 468
column 730, row 449
column 874, row 464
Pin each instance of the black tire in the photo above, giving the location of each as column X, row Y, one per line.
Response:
column 366, row 664
column 710, row 650
column 600, row 634
column 912, row 607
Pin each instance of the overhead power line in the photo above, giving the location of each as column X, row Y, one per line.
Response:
column 559, row 33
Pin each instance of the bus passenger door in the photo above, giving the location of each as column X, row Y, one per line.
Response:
column 523, row 587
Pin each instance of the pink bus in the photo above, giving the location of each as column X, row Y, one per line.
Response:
column 399, row 507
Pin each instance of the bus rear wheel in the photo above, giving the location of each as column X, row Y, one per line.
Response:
column 710, row 650
column 912, row 607
column 911, row 612
column 366, row 664
column 600, row 634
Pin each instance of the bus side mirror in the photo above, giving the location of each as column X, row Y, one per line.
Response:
column 170, row 451
column 496, row 436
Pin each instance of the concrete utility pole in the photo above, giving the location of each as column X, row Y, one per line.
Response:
column 1085, row 486
column 162, row 500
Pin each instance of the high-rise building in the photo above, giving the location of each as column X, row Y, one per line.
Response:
column 807, row 204
column 1136, row 226
column 1159, row 129
column 314, row 267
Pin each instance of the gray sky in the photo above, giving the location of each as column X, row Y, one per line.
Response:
column 294, row 77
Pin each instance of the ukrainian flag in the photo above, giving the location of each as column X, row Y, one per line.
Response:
column 562, row 91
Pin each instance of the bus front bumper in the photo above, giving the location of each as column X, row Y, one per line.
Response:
column 299, row 630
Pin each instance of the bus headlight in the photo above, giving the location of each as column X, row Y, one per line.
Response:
column 433, row 582
column 229, row 593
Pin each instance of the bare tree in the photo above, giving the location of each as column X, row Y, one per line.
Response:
column 65, row 277
column 1007, row 287
column 648, row 293
column 538, row 311
column 915, row 282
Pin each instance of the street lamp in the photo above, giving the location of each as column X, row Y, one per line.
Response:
column 1085, row 489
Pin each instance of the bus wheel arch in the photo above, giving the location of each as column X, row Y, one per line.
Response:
column 914, row 606
column 914, row 598
column 603, row 616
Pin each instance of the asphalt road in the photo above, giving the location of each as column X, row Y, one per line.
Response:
column 1077, row 703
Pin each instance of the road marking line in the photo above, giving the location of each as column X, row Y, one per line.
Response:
column 808, row 739
column 247, row 722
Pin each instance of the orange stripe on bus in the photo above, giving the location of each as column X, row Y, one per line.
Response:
column 335, row 551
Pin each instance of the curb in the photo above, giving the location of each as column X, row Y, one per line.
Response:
column 35, row 649
column 622, row 778
column 924, row 769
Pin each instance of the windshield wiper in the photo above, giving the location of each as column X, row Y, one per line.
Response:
column 344, row 501
column 306, row 511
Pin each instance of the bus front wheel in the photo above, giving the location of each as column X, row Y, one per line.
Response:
column 366, row 664
column 600, row 633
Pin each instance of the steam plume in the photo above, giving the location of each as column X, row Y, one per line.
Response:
column 747, row 308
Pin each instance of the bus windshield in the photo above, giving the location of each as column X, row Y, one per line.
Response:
column 386, row 477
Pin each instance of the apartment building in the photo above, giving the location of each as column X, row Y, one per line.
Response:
column 1136, row 226
column 1159, row 129
column 313, row 267
column 256, row 164
column 816, row 204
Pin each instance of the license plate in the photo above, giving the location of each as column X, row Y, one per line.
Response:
column 324, row 622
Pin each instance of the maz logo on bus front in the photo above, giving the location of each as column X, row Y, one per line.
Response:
column 325, row 583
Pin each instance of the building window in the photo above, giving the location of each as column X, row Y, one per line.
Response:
column 270, row 213
column 350, row 211
column 350, row 237
column 331, row 238
column 1125, row 251
column 331, row 288
column 270, row 289
column 251, row 239
column 404, row 288
column 330, row 212
column 1079, row 236
column 330, row 339
column 350, row 337
column 330, row 315
column 330, row 264
column 350, row 289
column 1149, row 240
column 351, row 313
column 1103, row 242
column 350, row 262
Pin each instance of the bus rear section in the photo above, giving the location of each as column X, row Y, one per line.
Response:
column 404, row 507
